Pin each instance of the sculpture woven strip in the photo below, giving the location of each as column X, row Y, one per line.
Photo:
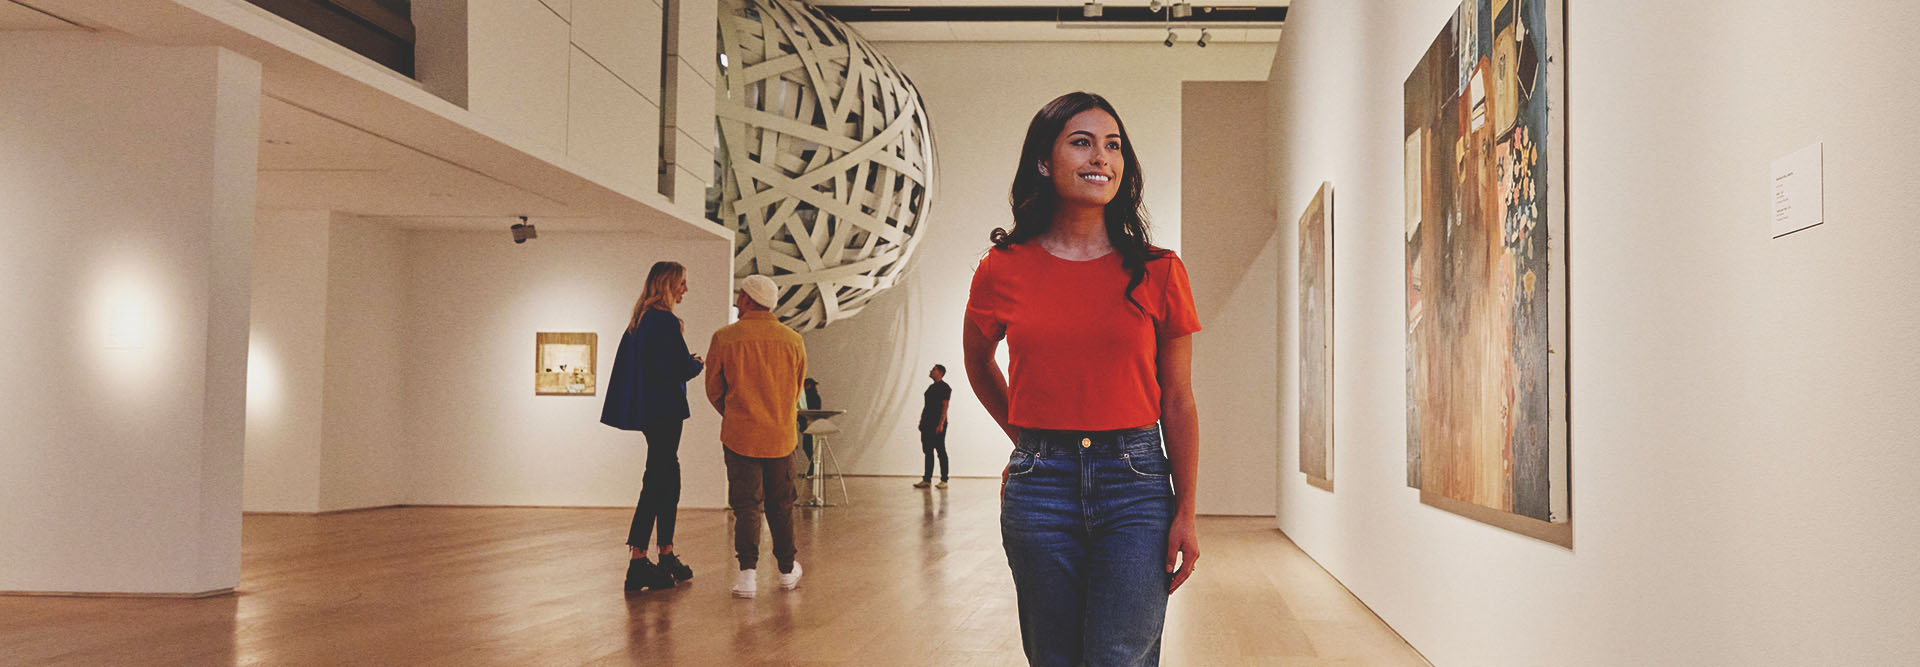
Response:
column 826, row 159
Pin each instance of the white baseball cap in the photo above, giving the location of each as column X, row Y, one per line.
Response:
column 761, row 290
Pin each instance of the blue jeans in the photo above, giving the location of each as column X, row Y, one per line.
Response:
column 1084, row 521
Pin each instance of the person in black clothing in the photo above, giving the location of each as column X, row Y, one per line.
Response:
column 647, row 392
column 933, row 427
column 812, row 398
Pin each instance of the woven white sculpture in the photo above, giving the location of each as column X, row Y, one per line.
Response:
column 826, row 161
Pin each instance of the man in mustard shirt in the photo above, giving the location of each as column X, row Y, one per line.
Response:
column 754, row 370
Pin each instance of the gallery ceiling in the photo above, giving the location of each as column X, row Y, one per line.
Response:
column 1054, row 21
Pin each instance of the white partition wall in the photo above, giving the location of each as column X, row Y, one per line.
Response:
column 127, row 198
column 476, row 434
column 286, row 362
column 1231, row 250
column 1743, row 432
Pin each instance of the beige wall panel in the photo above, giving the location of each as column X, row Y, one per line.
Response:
column 517, row 58
column 690, row 191
column 440, row 49
column 699, row 37
column 693, row 106
column 612, row 128
column 624, row 36
column 694, row 155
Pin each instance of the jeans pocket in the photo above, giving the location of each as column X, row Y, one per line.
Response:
column 1148, row 466
column 1021, row 463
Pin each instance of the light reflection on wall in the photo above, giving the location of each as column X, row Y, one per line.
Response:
column 265, row 385
column 128, row 321
column 131, row 329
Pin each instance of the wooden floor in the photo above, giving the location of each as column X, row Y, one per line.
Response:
column 898, row 576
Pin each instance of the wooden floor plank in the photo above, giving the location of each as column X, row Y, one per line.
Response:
column 897, row 576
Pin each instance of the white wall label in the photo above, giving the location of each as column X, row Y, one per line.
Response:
column 1798, row 191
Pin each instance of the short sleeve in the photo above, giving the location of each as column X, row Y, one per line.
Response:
column 982, row 302
column 1177, row 315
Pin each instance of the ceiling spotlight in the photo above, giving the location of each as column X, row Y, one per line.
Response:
column 1204, row 36
column 1092, row 9
column 1182, row 9
column 1170, row 40
column 1155, row 6
column 523, row 231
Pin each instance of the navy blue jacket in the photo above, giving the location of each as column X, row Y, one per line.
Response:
column 650, row 373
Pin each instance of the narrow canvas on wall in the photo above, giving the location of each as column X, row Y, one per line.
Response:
column 563, row 363
column 1316, row 339
column 1484, row 137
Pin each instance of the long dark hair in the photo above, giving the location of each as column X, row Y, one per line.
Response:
column 1033, row 196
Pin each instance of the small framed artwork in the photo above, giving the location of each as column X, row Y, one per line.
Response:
column 563, row 363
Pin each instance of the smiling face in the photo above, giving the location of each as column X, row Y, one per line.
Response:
column 1087, row 161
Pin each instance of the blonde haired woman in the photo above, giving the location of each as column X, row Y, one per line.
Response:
column 648, row 393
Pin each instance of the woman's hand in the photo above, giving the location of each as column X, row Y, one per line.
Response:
column 1181, row 539
column 698, row 360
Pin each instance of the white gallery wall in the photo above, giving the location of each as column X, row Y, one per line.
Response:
column 475, row 433
column 1743, row 433
column 286, row 362
column 1231, row 250
column 126, row 196
column 364, row 412
column 325, row 397
column 980, row 97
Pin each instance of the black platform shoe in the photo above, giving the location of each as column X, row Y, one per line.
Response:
column 642, row 574
column 671, row 564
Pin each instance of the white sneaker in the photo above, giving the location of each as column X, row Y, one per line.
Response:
column 790, row 580
column 747, row 585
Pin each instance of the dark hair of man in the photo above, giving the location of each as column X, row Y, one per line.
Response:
column 1033, row 196
column 941, row 368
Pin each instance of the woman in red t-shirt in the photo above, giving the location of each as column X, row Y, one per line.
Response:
column 1096, row 518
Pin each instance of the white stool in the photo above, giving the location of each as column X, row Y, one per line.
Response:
column 821, row 430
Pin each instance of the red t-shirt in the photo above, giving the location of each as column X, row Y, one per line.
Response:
column 1082, row 357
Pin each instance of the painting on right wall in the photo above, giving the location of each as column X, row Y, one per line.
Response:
column 1485, row 137
column 1316, row 339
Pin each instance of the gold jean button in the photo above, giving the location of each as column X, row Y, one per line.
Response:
column 1086, row 442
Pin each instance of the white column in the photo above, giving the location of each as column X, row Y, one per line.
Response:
column 127, row 202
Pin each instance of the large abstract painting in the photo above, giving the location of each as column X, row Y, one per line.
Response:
column 1485, row 138
column 1316, row 339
